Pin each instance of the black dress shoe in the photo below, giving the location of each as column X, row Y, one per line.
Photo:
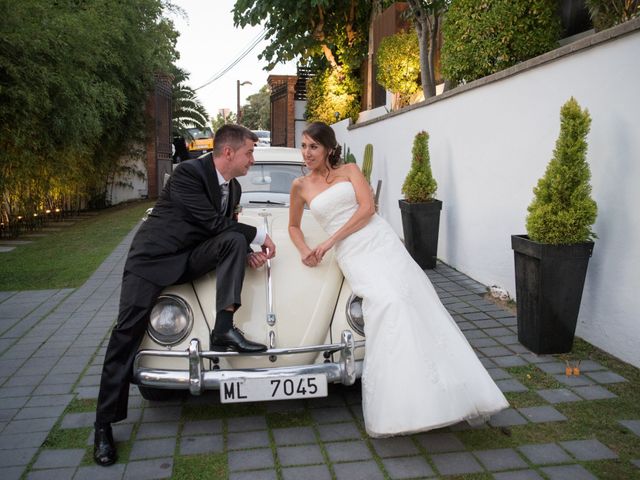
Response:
column 234, row 340
column 104, row 448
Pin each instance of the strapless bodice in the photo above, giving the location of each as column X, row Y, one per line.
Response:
column 334, row 206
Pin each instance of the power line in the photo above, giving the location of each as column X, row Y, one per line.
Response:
column 243, row 54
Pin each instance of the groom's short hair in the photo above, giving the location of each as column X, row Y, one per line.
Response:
column 233, row 136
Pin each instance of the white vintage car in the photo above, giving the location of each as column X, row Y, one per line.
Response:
column 308, row 317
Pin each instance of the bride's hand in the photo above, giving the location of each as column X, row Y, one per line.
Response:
column 310, row 259
column 323, row 248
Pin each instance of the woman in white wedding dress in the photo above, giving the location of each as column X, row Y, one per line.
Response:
column 420, row 372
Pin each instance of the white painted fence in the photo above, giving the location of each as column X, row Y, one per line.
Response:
column 490, row 142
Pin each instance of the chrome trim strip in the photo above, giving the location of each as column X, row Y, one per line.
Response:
column 271, row 316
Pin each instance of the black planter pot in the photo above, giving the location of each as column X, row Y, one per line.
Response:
column 420, row 225
column 549, row 284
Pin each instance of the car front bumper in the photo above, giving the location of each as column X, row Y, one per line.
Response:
column 196, row 379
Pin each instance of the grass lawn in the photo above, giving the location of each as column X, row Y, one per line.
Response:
column 68, row 257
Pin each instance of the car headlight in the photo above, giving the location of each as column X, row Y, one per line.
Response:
column 171, row 320
column 355, row 318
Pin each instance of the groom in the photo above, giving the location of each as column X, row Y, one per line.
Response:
column 191, row 231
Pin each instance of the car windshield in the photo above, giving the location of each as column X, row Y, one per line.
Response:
column 269, row 183
column 200, row 134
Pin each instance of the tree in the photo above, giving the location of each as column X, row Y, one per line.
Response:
column 399, row 65
column 607, row 13
column 220, row 120
column 481, row 38
column 186, row 109
column 427, row 16
column 257, row 114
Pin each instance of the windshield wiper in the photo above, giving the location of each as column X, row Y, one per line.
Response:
column 266, row 202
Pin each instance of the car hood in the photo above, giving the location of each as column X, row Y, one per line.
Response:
column 304, row 298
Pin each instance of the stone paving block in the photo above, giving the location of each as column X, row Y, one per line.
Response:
column 511, row 385
column 367, row 470
column 511, row 341
column 78, row 420
column 86, row 393
column 568, row 472
column 509, row 361
column 588, row 450
column 96, row 472
column 162, row 447
column 572, row 381
column 149, row 469
column 14, row 402
column 477, row 333
column 33, row 425
column 507, row 418
column 48, row 400
column 201, row 444
column 558, row 395
column 544, row 453
column 250, row 459
column 499, row 373
column 162, row 414
column 331, row 415
column 293, row 435
column 51, row 474
column 59, row 458
column 482, row 342
column 552, row 367
column 242, row 440
column 606, row 377
column 493, row 352
column 498, row 332
column 456, row 463
column 465, row 325
column 13, row 473
column 254, row 475
column 348, row 451
column 476, row 316
column 53, row 411
column 542, row 414
column 407, row 467
column 594, row 392
column 487, row 363
column 633, row 425
column 246, row 424
column 157, row 430
column 517, row 475
column 500, row 459
column 16, row 457
column 395, row 446
column 489, row 323
column 339, row 431
column 22, row 440
column 300, row 455
column 440, row 442
column 314, row 472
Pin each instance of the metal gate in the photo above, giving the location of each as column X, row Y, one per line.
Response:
column 279, row 112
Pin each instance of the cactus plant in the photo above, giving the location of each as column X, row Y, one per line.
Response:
column 367, row 162
column 348, row 156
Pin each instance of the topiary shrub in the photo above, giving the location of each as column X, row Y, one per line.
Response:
column 333, row 91
column 398, row 65
column 562, row 210
column 481, row 38
column 419, row 185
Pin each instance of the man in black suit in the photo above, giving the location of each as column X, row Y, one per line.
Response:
column 191, row 231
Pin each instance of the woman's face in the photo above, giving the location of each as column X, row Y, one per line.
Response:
column 314, row 153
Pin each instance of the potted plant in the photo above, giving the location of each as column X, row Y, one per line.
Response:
column 551, row 260
column 420, row 211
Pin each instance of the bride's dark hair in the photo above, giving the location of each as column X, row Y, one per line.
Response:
column 325, row 136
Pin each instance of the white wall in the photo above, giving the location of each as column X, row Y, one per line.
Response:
column 490, row 142
column 138, row 188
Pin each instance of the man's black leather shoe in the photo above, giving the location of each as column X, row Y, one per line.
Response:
column 104, row 448
column 234, row 340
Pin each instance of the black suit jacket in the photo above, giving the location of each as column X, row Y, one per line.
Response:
column 186, row 214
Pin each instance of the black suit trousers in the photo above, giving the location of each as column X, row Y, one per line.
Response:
column 226, row 253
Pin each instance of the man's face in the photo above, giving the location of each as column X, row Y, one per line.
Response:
column 241, row 159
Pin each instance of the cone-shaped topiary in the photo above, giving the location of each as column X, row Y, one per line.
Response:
column 419, row 185
column 562, row 210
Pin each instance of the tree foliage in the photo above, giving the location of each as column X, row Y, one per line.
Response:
column 186, row 109
column 562, row 210
column 257, row 114
column 74, row 77
column 419, row 184
column 398, row 61
column 607, row 13
column 333, row 95
column 481, row 38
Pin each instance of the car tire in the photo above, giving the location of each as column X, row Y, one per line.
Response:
column 157, row 394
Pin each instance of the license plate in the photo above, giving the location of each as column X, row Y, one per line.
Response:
column 269, row 388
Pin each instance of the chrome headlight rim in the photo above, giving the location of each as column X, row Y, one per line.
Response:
column 357, row 323
column 177, row 338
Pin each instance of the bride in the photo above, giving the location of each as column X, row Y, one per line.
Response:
column 419, row 371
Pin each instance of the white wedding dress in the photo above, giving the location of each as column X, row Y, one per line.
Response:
column 420, row 372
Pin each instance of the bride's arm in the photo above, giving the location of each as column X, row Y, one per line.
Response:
column 360, row 218
column 296, row 207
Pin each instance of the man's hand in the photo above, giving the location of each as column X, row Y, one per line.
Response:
column 310, row 259
column 256, row 259
column 268, row 247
